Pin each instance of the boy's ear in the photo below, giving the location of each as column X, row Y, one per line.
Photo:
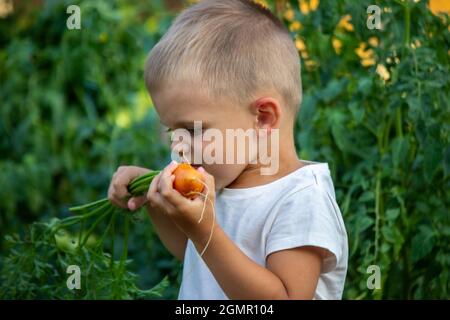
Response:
column 267, row 113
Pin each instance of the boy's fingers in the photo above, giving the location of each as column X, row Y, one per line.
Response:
column 153, row 185
column 136, row 202
column 157, row 201
column 118, row 189
column 168, row 193
column 153, row 195
column 113, row 199
column 165, row 186
column 170, row 168
column 120, row 183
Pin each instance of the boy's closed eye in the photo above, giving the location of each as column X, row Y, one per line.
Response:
column 191, row 131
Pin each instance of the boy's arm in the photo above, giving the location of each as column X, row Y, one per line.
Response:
column 171, row 236
column 290, row 274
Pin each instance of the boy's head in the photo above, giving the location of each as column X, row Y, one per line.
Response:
column 230, row 64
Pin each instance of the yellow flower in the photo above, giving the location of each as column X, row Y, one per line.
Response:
column 300, row 44
column 362, row 52
column 301, row 47
column 337, row 45
column 295, row 26
column 366, row 55
column 437, row 6
column 306, row 6
column 383, row 72
column 289, row 14
column 368, row 62
column 314, row 4
column 345, row 24
column 310, row 64
column 374, row 42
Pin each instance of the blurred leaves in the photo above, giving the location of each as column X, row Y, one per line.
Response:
column 376, row 108
column 64, row 97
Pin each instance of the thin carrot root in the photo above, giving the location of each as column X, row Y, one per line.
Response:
column 212, row 226
column 206, row 197
column 212, row 229
column 184, row 158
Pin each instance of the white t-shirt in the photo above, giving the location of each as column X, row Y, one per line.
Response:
column 296, row 210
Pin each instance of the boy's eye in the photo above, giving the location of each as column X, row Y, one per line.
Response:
column 190, row 130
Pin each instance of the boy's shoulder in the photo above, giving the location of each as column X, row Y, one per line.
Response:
column 313, row 177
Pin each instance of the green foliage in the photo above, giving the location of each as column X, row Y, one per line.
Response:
column 387, row 140
column 36, row 267
column 73, row 109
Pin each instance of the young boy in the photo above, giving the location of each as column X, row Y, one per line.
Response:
column 232, row 65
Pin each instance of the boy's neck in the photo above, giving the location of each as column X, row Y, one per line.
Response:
column 252, row 177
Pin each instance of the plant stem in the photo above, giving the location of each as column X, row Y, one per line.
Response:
column 377, row 213
column 144, row 176
column 110, row 224
column 91, row 229
column 113, row 224
column 89, row 205
column 398, row 123
column 407, row 10
column 74, row 220
column 125, row 244
column 80, row 234
column 141, row 185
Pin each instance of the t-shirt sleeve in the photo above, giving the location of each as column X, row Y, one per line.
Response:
column 308, row 217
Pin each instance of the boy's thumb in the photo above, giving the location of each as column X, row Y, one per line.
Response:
column 136, row 203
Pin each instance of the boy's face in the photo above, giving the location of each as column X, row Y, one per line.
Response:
column 179, row 106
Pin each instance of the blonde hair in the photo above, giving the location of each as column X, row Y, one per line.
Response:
column 229, row 48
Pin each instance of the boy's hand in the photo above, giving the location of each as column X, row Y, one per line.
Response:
column 184, row 212
column 118, row 193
